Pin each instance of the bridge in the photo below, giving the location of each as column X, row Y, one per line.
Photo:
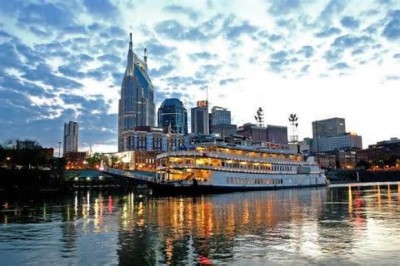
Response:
column 136, row 177
column 106, row 178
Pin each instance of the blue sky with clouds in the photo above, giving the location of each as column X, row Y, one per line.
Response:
column 64, row 60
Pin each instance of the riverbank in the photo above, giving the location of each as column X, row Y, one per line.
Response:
column 28, row 181
column 349, row 176
column 19, row 182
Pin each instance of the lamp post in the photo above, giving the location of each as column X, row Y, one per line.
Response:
column 59, row 149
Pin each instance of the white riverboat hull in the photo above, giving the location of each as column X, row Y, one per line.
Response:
column 223, row 182
column 241, row 179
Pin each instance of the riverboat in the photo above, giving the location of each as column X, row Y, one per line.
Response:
column 224, row 167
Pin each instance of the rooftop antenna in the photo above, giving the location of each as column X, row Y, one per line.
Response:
column 259, row 117
column 294, row 124
column 145, row 55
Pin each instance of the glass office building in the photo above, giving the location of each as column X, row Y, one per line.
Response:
column 136, row 105
column 172, row 117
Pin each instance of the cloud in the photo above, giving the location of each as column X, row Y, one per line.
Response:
column 283, row 7
column 176, row 31
column 95, row 27
column 333, row 55
column 208, row 70
column 75, row 29
column 47, row 14
column 175, row 9
column 100, row 7
column 43, row 72
column 280, row 60
column 349, row 22
column 328, row 32
column 227, row 81
column 392, row 29
column 307, row 51
column 156, row 49
column 110, row 58
column 162, row 71
column 40, row 31
column 396, row 56
column 9, row 56
column 305, row 69
column 202, row 55
column 184, row 81
column 275, row 37
column 334, row 7
column 28, row 55
column 392, row 77
column 235, row 31
column 340, row 65
column 351, row 41
column 358, row 51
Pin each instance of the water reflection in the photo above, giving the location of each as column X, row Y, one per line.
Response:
column 348, row 224
column 211, row 228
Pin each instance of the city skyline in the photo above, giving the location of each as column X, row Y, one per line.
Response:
column 63, row 61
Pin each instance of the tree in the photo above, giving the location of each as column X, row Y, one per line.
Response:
column 114, row 160
column 392, row 162
column 94, row 160
column 363, row 164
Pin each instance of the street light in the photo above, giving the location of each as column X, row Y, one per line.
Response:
column 59, row 149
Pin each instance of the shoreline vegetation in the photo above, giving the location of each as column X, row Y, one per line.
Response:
column 355, row 175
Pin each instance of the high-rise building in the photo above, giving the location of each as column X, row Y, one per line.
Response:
column 199, row 119
column 277, row 134
column 329, row 127
column 220, row 116
column 220, row 122
column 172, row 115
column 70, row 137
column 136, row 105
column 271, row 133
column 330, row 135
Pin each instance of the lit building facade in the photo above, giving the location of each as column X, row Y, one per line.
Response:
column 382, row 150
column 70, row 137
column 200, row 119
column 146, row 145
column 172, row 114
column 345, row 141
column 136, row 105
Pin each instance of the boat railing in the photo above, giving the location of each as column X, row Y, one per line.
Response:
column 229, row 157
column 225, row 168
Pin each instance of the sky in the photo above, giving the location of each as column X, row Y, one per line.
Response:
column 65, row 60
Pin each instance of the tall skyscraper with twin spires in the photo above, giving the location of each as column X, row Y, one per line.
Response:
column 136, row 105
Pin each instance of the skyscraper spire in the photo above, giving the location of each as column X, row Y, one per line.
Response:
column 129, row 67
column 145, row 59
column 130, row 41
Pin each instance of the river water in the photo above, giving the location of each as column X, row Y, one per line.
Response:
column 338, row 225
